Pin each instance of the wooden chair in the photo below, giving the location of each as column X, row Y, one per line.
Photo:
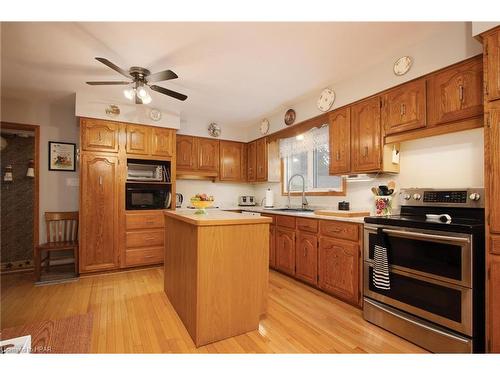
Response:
column 62, row 234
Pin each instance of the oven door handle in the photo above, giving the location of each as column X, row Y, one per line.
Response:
column 426, row 236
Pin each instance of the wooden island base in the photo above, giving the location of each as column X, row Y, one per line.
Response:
column 216, row 272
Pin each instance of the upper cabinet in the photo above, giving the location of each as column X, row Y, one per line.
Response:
column 186, row 153
column 366, row 145
column 162, row 142
column 492, row 49
column 138, row 139
column 147, row 140
column 261, row 160
column 197, row 157
column 404, row 108
column 208, row 154
column 251, row 161
column 99, row 135
column 232, row 161
column 456, row 93
column 340, row 141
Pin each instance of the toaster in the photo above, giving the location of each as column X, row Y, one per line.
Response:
column 246, row 200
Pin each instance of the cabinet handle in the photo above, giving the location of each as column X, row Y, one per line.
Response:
column 335, row 230
column 150, row 239
column 100, row 180
column 149, row 256
column 150, row 222
column 338, row 155
column 99, row 137
column 402, row 109
column 461, row 93
column 366, row 152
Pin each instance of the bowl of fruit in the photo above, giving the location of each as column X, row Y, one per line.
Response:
column 201, row 202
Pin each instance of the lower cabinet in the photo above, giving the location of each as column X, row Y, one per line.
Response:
column 306, row 258
column 494, row 304
column 144, row 238
column 285, row 250
column 339, row 268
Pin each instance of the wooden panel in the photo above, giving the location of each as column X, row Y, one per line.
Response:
column 405, row 107
column 340, row 141
column 99, row 135
column 306, row 258
column 492, row 45
column 273, row 162
column 98, row 213
column 366, row 150
column 273, row 217
column 150, row 238
column 144, row 221
column 252, row 161
column 456, row 93
column 272, row 246
column 208, row 154
column 186, row 153
column 148, row 255
column 285, row 221
column 495, row 244
column 339, row 268
column 308, row 225
column 494, row 304
column 261, row 159
column 231, row 161
column 494, row 169
column 285, row 250
column 138, row 139
column 339, row 229
column 162, row 142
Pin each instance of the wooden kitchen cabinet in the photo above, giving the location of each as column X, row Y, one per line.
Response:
column 492, row 51
column 232, row 161
column 456, row 93
column 162, row 142
column 272, row 246
column 138, row 139
column 340, row 141
column 285, row 250
column 338, row 264
column 186, row 153
column 99, row 183
column 404, row 108
column 261, row 160
column 208, row 154
column 99, row 135
column 306, row 258
column 494, row 304
column 252, row 161
column 366, row 145
column 493, row 145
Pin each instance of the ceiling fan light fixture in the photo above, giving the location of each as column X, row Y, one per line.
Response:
column 129, row 93
column 147, row 99
column 142, row 93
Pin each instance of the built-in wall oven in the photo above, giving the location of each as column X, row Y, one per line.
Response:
column 436, row 270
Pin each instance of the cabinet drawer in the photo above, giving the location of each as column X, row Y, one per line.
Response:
column 308, row 225
column 144, row 239
column 285, row 221
column 146, row 221
column 338, row 229
column 495, row 245
column 150, row 255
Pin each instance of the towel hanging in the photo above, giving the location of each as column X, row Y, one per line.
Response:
column 380, row 277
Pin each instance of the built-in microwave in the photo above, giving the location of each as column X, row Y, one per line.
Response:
column 147, row 196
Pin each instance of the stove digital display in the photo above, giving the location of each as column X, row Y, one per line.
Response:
column 445, row 196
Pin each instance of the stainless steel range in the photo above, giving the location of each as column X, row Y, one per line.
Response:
column 435, row 252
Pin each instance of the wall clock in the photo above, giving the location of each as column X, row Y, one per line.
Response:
column 155, row 114
column 402, row 65
column 326, row 99
column 214, row 129
column 290, row 117
column 264, row 126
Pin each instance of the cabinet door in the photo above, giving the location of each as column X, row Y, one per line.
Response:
column 494, row 304
column 405, row 108
column 138, row 139
column 306, row 258
column 162, row 142
column 186, row 153
column 99, row 135
column 230, row 161
column 251, row 161
column 366, row 150
column 285, row 250
column 456, row 93
column 208, row 155
column 340, row 141
column 244, row 161
column 98, row 213
column 272, row 246
column 493, row 65
column 339, row 268
column 493, row 132
column 261, row 159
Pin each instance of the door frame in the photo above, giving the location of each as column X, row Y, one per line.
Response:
column 36, row 200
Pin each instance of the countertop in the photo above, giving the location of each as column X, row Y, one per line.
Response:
column 215, row 217
column 311, row 214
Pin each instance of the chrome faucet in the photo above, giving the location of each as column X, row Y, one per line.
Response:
column 304, row 200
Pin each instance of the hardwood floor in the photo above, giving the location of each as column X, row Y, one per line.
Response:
column 131, row 314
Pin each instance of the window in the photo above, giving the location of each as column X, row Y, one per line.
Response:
column 308, row 155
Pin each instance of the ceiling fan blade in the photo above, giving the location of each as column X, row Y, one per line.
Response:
column 94, row 83
column 168, row 92
column 113, row 66
column 161, row 76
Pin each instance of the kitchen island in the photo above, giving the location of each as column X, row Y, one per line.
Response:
column 216, row 271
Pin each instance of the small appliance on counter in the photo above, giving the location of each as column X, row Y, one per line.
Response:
column 246, row 200
column 179, row 198
column 148, row 170
column 343, row 206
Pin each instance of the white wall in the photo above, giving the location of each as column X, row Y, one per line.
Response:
column 481, row 27
column 57, row 123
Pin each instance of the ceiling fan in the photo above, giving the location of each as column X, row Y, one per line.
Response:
column 141, row 79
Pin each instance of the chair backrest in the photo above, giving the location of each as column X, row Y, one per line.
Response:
column 61, row 226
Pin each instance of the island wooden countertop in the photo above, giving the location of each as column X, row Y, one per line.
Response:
column 216, row 217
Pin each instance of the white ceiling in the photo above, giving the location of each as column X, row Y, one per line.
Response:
column 233, row 73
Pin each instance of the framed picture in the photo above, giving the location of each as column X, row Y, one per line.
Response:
column 62, row 156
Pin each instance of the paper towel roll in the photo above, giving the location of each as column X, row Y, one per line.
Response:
column 269, row 198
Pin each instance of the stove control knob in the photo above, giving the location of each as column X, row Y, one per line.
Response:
column 407, row 197
column 417, row 196
column 474, row 197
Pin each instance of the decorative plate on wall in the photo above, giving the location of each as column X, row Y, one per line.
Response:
column 214, row 129
column 326, row 99
column 290, row 117
column 155, row 114
column 264, row 126
column 402, row 65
